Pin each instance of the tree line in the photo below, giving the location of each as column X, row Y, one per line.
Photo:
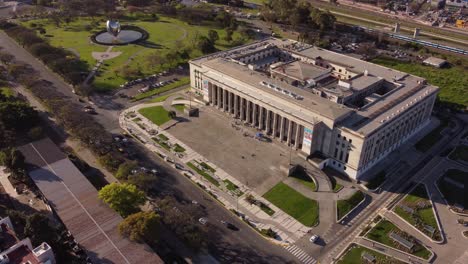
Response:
column 61, row 61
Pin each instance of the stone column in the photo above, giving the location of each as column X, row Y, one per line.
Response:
column 248, row 116
column 275, row 125
column 254, row 114
column 231, row 103
column 282, row 125
column 219, row 97
column 224, row 100
column 298, row 139
column 260, row 118
column 236, row 105
column 290, row 131
column 267, row 122
column 214, row 95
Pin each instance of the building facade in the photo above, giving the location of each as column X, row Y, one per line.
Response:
column 349, row 111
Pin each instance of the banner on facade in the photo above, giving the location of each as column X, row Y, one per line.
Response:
column 205, row 86
column 307, row 136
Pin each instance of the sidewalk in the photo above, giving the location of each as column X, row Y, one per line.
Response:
column 6, row 183
column 288, row 229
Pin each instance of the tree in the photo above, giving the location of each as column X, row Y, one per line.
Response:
column 172, row 114
column 37, row 229
column 140, row 227
column 123, row 198
column 11, row 158
column 205, row 45
column 229, row 33
column 125, row 169
column 6, row 58
column 213, row 36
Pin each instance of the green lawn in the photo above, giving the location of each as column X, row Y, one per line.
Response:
column 460, row 153
column 8, row 92
column 179, row 107
column 454, row 194
column 176, row 84
column 178, row 148
column 232, row 187
column 381, row 231
column 204, row 174
column 432, row 137
column 162, row 143
column 166, row 34
column 452, row 81
column 156, row 114
column 301, row 176
column 421, row 217
column 345, row 206
column 354, row 256
column 376, row 181
column 163, row 137
column 303, row 209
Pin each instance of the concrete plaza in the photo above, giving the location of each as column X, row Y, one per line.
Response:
column 255, row 163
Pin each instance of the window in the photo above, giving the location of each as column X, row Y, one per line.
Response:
column 347, row 157
column 334, row 162
column 344, row 138
column 341, row 155
column 342, row 145
column 344, row 167
column 350, row 141
column 336, row 153
column 337, row 142
column 339, row 135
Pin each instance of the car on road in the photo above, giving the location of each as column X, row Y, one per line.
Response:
column 169, row 160
column 90, row 111
column 179, row 166
column 203, row 220
column 230, row 226
column 314, row 238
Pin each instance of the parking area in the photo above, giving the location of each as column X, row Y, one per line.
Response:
column 233, row 147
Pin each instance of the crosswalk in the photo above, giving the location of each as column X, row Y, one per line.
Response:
column 301, row 254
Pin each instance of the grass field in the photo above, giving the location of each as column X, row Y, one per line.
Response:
column 345, row 206
column 204, row 174
column 354, row 256
column 381, row 231
column 164, row 35
column 432, row 137
column 454, row 194
column 178, row 148
column 452, row 81
column 303, row 209
column 302, row 177
column 6, row 91
column 426, row 215
column 232, row 187
column 156, row 114
column 176, row 84
column 179, row 107
column 460, row 153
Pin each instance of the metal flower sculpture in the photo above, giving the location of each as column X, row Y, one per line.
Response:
column 113, row 27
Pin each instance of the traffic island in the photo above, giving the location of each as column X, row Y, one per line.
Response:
column 357, row 254
column 386, row 233
column 416, row 209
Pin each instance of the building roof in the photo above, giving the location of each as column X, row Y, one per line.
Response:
column 301, row 71
column 434, row 61
column 92, row 223
column 22, row 255
column 234, row 72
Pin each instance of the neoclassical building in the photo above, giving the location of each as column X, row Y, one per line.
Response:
column 350, row 112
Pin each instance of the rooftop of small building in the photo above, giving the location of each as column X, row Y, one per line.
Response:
column 22, row 255
column 435, row 61
column 300, row 71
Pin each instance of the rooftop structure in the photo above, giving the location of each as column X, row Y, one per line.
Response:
column 323, row 97
column 434, row 61
column 91, row 222
column 15, row 251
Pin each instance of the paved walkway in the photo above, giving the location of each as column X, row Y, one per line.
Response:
column 288, row 229
column 6, row 183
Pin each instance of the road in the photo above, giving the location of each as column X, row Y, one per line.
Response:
column 243, row 246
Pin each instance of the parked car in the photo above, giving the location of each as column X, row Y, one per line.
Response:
column 314, row 238
column 179, row 166
column 202, row 220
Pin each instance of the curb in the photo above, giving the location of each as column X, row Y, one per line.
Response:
column 352, row 210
